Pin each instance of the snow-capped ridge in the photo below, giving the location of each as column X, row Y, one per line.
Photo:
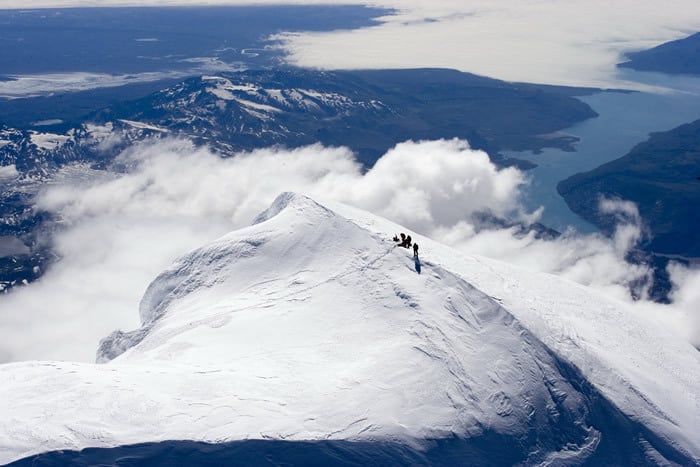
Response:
column 282, row 201
column 185, row 275
column 307, row 290
column 311, row 324
column 169, row 284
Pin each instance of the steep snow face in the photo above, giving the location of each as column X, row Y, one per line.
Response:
column 633, row 360
column 324, row 331
column 311, row 325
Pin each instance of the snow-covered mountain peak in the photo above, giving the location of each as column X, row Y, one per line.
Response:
column 312, row 325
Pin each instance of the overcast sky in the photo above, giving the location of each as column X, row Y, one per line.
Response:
column 574, row 42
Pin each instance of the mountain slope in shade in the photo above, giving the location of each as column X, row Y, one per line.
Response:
column 312, row 327
column 677, row 57
column 662, row 177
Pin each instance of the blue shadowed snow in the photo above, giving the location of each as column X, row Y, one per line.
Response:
column 622, row 442
column 340, row 354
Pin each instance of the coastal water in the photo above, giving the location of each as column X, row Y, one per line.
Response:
column 625, row 120
column 58, row 65
column 156, row 39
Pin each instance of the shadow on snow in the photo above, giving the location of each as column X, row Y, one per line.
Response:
column 622, row 442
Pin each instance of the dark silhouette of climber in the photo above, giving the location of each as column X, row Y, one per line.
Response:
column 403, row 239
column 415, row 250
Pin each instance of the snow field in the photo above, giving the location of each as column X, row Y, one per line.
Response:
column 312, row 325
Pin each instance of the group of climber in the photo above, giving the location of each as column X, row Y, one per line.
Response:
column 405, row 241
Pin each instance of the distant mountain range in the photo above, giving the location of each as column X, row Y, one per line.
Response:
column 367, row 111
column 676, row 57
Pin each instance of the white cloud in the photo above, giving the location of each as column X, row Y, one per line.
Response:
column 8, row 172
column 19, row 86
column 120, row 232
column 22, row 86
column 571, row 42
column 686, row 298
column 436, row 183
column 592, row 260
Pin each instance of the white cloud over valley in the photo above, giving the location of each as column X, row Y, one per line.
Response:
column 119, row 232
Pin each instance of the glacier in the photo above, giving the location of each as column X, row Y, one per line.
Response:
column 311, row 326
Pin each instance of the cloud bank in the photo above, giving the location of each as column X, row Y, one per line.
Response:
column 121, row 231
column 568, row 42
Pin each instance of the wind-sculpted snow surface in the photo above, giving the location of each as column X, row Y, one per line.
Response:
column 311, row 327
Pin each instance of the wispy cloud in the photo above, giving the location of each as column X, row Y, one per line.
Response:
column 22, row 86
column 120, row 232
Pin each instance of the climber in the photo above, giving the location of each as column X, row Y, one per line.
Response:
column 403, row 239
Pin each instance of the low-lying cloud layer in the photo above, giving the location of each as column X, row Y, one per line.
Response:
column 121, row 231
column 23, row 86
column 566, row 42
column 571, row 42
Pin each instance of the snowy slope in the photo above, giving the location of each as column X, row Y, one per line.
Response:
column 310, row 325
column 645, row 369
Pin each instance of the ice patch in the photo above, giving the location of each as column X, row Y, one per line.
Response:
column 224, row 89
column 49, row 122
column 48, row 141
column 24, row 86
column 257, row 106
column 8, row 172
column 221, row 93
column 144, row 126
column 99, row 131
column 10, row 246
column 277, row 95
